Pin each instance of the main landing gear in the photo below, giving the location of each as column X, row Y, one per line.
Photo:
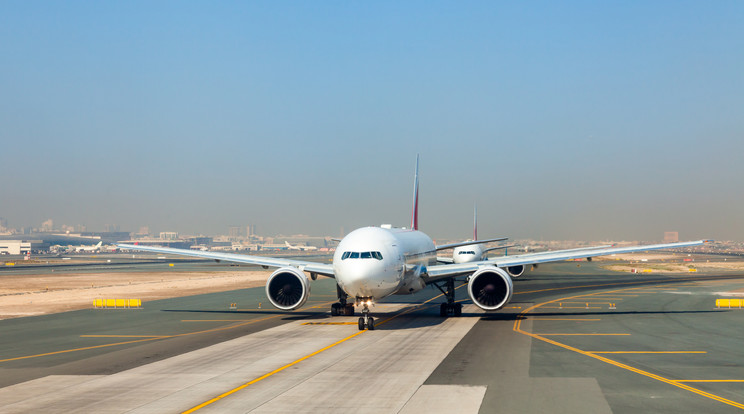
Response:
column 450, row 308
column 366, row 321
column 342, row 308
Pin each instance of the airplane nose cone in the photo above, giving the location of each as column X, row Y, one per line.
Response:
column 362, row 278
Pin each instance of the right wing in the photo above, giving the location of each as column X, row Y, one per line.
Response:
column 325, row 269
column 439, row 272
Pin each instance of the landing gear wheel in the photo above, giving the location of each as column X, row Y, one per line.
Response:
column 458, row 309
column 443, row 310
column 349, row 310
column 371, row 323
column 361, row 324
column 335, row 309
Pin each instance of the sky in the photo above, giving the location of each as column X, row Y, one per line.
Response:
column 562, row 120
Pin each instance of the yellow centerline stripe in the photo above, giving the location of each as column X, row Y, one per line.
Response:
column 564, row 319
column 583, row 334
column 247, row 384
column 729, row 380
column 124, row 336
column 647, row 352
column 518, row 328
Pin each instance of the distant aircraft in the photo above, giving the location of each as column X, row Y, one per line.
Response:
column 84, row 248
column 372, row 263
column 303, row 248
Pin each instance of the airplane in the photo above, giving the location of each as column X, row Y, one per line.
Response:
column 372, row 263
column 473, row 252
column 298, row 247
column 84, row 248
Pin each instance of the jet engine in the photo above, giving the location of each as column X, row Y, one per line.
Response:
column 288, row 288
column 490, row 288
column 515, row 271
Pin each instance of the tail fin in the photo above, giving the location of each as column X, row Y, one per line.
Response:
column 414, row 213
column 99, row 244
column 475, row 222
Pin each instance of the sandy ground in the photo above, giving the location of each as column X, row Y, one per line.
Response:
column 676, row 266
column 27, row 295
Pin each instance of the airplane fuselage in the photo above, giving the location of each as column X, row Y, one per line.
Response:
column 374, row 262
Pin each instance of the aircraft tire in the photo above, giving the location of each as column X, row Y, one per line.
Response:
column 443, row 310
column 334, row 309
column 371, row 323
column 458, row 309
column 349, row 310
column 361, row 324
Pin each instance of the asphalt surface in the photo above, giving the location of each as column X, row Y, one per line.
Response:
column 574, row 339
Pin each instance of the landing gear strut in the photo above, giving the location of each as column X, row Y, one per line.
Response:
column 342, row 308
column 366, row 321
column 450, row 307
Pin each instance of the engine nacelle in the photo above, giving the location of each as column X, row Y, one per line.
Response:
column 490, row 288
column 515, row 271
column 288, row 288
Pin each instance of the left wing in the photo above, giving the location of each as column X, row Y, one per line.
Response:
column 439, row 272
column 324, row 269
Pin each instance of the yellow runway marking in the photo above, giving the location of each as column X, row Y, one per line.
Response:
column 222, row 328
column 583, row 334
column 247, row 384
column 214, row 320
column 732, row 380
column 678, row 384
column 648, row 352
column 330, row 323
column 563, row 319
column 124, row 336
column 571, row 307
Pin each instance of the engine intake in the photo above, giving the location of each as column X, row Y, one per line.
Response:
column 490, row 288
column 515, row 271
column 288, row 288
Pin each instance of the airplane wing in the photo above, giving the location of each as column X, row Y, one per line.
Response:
column 467, row 243
column 439, row 272
column 325, row 269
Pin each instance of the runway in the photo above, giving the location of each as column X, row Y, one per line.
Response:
column 572, row 340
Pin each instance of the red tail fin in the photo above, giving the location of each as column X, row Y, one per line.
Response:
column 414, row 213
column 475, row 222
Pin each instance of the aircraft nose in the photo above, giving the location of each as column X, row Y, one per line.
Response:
column 361, row 279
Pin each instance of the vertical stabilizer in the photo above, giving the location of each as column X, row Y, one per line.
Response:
column 475, row 222
column 414, row 212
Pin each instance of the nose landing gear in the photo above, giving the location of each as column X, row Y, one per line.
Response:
column 366, row 321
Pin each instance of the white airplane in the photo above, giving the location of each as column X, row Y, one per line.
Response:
column 372, row 263
column 84, row 248
column 474, row 251
column 298, row 247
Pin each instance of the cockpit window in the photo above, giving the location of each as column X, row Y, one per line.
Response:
column 362, row 255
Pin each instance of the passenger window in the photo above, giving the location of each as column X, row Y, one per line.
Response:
column 366, row 255
column 354, row 255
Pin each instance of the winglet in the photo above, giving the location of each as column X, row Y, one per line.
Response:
column 414, row 213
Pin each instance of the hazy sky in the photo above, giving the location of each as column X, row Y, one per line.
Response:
column 562, row 120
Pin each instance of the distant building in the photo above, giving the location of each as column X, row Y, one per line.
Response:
column 671, row 237
column 14, row 247
column 168, row 235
